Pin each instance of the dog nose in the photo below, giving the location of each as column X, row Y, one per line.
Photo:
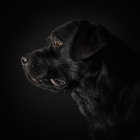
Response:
column 24, row 59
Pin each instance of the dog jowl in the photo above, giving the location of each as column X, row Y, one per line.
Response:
column 99, row 71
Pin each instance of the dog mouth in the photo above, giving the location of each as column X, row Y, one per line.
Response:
column 46, row 82
column 52, row 84
column 57, row 82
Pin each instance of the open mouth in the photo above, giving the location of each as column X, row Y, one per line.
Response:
column 55, row 83
column 49, row 83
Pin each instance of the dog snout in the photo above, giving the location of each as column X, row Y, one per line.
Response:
column 24, row 59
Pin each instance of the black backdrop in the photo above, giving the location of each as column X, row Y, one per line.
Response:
column 30, row 111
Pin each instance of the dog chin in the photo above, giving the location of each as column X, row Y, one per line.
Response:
column 52, row 89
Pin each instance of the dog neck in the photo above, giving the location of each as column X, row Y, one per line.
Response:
column 103, row 99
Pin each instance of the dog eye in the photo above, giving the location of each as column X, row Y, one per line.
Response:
column 57, row 42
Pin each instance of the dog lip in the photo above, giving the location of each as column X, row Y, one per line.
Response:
column 34, row 80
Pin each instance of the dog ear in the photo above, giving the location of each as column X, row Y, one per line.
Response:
column 89, row 39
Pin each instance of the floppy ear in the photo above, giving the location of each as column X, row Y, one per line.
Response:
column 89, row 39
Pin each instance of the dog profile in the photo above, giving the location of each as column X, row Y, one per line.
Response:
column 99, row 71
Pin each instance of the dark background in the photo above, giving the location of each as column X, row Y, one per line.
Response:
column 30, row 111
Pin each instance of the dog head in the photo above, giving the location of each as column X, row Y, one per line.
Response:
column 67, row 58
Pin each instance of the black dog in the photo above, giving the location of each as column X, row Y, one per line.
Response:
column 99, row 70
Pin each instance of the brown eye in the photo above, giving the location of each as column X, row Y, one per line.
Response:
column 57, row 42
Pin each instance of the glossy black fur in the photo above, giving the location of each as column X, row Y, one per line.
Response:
column 100, row 72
